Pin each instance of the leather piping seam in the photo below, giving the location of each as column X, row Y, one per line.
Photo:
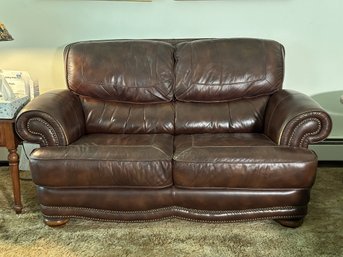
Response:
column 226, row 100
column 173, row 208
column 138, row 187
column 272, row 115
column 99, row 159
column 167, row 156
column 122, row 101
column 153, row 86
column 61, row 127
column 281, row 190
column 246, row 163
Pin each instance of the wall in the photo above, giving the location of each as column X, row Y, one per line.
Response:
column 309, row 30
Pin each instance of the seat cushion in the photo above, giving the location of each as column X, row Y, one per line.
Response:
column 106, row 160
column 240, row 161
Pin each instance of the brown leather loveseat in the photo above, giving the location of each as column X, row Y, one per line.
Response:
column 195, row 129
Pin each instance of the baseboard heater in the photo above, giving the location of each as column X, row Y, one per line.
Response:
column 330, row 149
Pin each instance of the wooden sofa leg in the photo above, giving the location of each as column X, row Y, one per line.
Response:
column 291, row 223
column 55, row 222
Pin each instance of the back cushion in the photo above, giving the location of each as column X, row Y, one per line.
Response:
column 125, row 86
column 127, row 118
column 223, row 85
column 135, row 71
column 242, row 116
column 220, row 70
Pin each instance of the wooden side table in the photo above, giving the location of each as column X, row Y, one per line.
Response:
column 10, row 140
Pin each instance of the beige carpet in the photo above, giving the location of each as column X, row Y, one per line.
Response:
column 320, row 235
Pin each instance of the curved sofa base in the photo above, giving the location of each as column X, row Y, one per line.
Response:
column 290, row 216
column 204, row 205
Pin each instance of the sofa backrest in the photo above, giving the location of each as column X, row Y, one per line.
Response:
column 223, row 85
column 174, row 86
column 125, row 86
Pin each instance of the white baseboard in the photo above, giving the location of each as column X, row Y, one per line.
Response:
column 328, row 152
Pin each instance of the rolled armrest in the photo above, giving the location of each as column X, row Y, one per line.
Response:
column 53, row 118
column 295, row 119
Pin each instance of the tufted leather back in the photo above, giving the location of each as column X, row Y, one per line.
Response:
column 221, row 70
column 125, row 86
column 174, row 86
column 223, row 85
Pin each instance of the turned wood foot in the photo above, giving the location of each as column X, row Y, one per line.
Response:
column 10, row 140
column 291, row 223
column 13, row 160
column 18, row 208
column 55, row 222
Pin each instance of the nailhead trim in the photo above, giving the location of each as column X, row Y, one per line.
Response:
column 307, row 134
column 175, row 208
column 40, row 134
column 175, row 217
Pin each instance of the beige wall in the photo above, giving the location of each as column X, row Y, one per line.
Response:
column 309, row 29
column 44, row 65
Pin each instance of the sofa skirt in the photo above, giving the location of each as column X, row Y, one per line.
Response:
column 135, row 205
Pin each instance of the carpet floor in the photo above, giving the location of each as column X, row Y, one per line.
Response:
column 320, row 235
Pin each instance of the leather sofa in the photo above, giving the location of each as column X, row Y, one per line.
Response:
column 198, row 129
